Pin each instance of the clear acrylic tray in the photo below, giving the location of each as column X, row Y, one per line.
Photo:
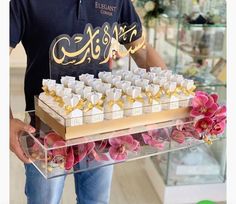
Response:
column 54, row 157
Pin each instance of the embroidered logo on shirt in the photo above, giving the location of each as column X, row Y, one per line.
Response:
column 105, row 9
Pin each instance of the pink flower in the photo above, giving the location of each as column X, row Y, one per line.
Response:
column 69, row 158
column 121, row 145
column 58, row 154
column 81, row 150
column 220, row 114
column 190, row 131
column 59, row 151
column 98, row 153
column 204, row 124
column 214, row 95
column 178, row 136
column 152, row 138
column 218, row 128
column 51, row 138
column 204, row 104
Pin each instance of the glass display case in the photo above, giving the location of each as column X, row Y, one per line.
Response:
column 200, row 37
column 191, row 37
column 202, row 164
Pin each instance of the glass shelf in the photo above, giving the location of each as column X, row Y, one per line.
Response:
column 178, row 168
column 54, row 157
column 189, row 25
column 185, row 47
column 200, row 81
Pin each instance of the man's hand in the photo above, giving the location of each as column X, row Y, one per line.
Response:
column 16, row 127
column 146, row 57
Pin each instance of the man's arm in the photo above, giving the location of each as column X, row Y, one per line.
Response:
column 17, row 126
column 146, row 57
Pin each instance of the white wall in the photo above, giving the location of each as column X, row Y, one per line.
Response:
column 18, row 57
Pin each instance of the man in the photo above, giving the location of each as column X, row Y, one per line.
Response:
column 36, row 24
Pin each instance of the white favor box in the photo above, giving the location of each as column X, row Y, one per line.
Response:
column 154, row 106
column 185, row 101
column 135, row 108
column 95, row 114
column 170, row 102
column 115, row 111
column 43, row 101
column 74, row 118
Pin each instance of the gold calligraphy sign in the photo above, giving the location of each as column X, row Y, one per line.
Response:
column 94, row 44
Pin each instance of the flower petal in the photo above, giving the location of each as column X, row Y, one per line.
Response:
column 90, row 146
column 59, row 151
column 99, row 156
column 209, row 102
column 153, row 133
column 128, row 139
column 146, row 138
column 197, row 93
column 51, row 138
column 80, row 152
column 69, row 158
column 199, row 101
column 203, row 124
column 221, row 111
column 211, row 110
column 218, row 128
column 178, row 136
column 195, row 112
column 136, row 146
column 156, row 144
column 215, row 97
column 115, row 155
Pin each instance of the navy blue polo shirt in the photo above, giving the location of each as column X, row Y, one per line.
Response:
column 36, row 23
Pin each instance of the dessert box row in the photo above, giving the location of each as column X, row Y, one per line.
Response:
column 114, row 95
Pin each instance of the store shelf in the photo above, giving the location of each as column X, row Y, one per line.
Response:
column 189, row 25
column 170, row 194
column 186, row 47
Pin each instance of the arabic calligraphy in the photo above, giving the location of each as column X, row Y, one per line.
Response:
column 94, row 44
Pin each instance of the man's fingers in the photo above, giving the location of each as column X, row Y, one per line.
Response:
column 25, row 127
column 20, row 154
column 29, row 128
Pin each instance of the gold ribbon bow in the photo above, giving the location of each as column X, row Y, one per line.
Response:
column 171, row 93
column 103, row 97
column 90, row 106
column 59, row 100
column 190, row 91
column 52, row 93
column 45, row 89
column 69, row 109
column 152, row 97
column 79, row 106
column 118, row 102
column 132, row 100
